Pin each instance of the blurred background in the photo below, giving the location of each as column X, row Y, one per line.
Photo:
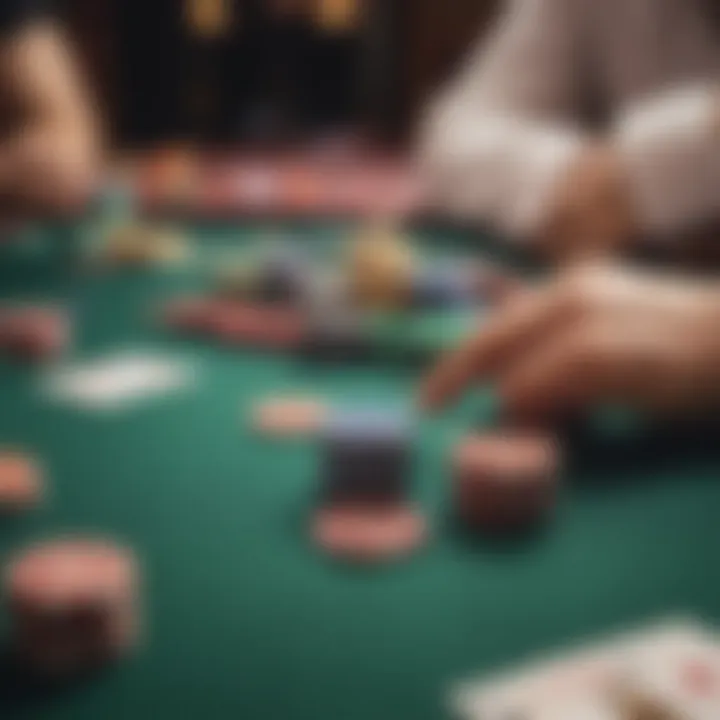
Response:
column 269, row 72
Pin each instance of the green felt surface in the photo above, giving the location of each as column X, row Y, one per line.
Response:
column 244, row 618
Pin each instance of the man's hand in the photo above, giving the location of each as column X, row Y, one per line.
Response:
column 591, row 213
column 597, row 334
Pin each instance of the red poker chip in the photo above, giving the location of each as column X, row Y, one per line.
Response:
column 35, row 332
column 279, row 328
column 505, row 480
column 227, row 321
column 21, row 484
column 190, row 314
column 68, row 572
column 369, row 533
column 260, row 326
column 73, row 603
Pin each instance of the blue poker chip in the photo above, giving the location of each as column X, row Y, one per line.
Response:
column 370, row 424
column 441, row 286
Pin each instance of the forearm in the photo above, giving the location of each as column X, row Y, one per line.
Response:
column 49, row 159
column 499, row 169
column 47, row 169
column 669, row 149
column 496, row 141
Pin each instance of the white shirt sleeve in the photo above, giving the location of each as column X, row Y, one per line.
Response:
column 670, row 149
column 495, row 144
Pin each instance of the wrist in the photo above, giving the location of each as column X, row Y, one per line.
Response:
column 708, row 344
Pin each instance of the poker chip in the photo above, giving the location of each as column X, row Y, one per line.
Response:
column 20, row 481
column 261, row 326
column 649, row 685
column 73, row 604
column 290, row 416
column 128, row 245
column 381, row 268
column 369, row 533
column 34, row 332
column 505, row 480
column 190, row 314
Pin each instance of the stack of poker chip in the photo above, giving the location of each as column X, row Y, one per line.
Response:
column 279, row 273
column 335, row 330
column 364, row 511
column 235, row 322
column 73, row 604
column 505, row 480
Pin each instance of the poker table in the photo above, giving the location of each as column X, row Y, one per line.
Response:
column 244, row 617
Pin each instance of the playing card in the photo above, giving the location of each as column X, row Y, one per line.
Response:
column 677, row 680
column 590, row 678
column 117, row 381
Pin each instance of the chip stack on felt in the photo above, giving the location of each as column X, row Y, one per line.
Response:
column 506, row 480
column 364, row 511
column 74, row 604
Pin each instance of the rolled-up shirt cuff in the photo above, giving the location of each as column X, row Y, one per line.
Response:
column 501, row 169
column 669, row 149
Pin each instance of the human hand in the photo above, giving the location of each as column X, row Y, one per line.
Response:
column 594, row 335
column 591, row 213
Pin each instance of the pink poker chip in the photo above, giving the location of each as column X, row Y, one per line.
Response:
column 369, row 533
column 505, row 479
column 190, row 314
column 34, row 332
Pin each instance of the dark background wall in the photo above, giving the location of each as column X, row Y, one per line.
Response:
column 268, row 78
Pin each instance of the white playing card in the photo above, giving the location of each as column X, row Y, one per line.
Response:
column 677, row 680
column 583, row 678
column 118, row 381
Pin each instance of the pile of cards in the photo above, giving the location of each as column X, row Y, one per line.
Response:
column 670, row 671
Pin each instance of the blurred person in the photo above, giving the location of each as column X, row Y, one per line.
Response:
column 584, row 126
column 595, row 334
column 49, row 141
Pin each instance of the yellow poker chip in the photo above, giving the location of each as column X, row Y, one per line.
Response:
column 381, row 266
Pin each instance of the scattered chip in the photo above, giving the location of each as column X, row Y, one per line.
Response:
column 34, row 332
column 381, row 268
column 261, row 326
column 135, row 244
column 21, row 483
column 239, row 281
column 287, row 417
column 192, row 314
column 369, row 533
